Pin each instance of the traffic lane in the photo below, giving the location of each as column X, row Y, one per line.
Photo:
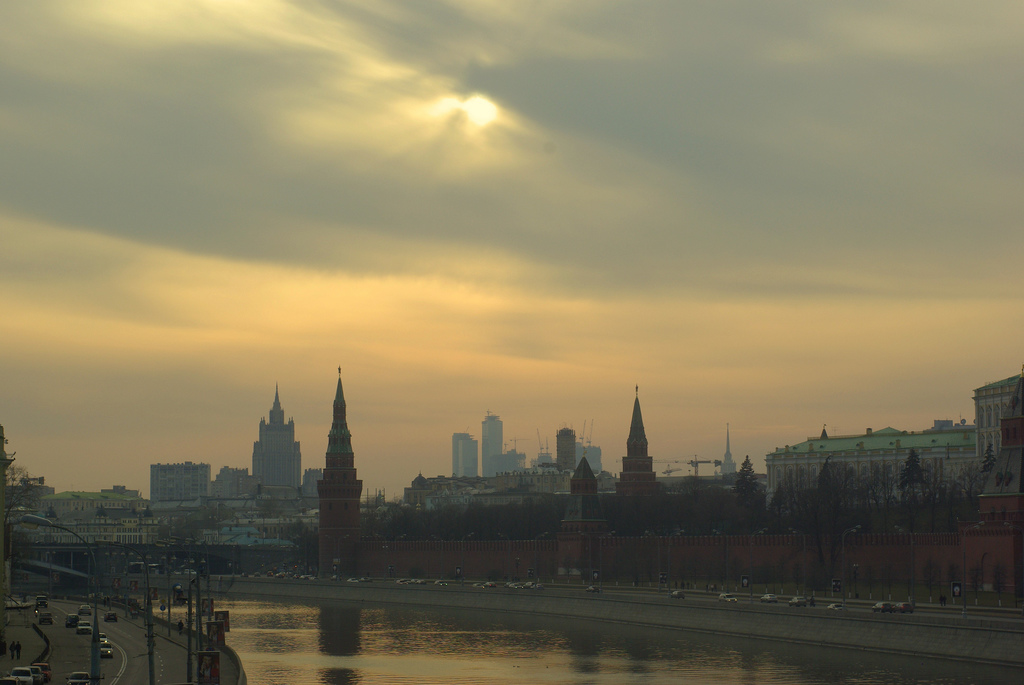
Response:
column 131, row 657
column 70, row 651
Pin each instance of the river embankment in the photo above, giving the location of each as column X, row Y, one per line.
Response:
column 980, row 640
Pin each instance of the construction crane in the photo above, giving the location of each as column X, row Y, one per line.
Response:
column 670, row 471
column 695, row 463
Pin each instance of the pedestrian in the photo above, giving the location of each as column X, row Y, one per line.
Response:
column 17, row 646
column 12, row 649
column 181, row 627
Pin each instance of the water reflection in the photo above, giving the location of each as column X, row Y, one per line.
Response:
column 337, row 643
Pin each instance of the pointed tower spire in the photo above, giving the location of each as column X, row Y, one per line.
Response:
column 339, row 491
column 637, row 476
column 636, row 443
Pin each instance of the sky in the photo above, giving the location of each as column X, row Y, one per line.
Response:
column 775, row 216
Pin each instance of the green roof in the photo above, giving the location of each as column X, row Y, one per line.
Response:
column 885, row 439
column 106, row 496
column 1012, row 380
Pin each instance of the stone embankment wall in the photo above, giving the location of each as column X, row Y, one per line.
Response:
column 992, row 641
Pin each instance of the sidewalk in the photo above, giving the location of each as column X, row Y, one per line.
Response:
column 19, row 629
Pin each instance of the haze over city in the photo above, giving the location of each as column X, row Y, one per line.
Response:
column 775, row 216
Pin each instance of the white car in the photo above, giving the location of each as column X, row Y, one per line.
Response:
column 106, row 651
column 23, row 674
column 79, row 678
column 727, row 597
column 84, row 628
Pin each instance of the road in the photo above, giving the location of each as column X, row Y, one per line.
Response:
column 130, row 665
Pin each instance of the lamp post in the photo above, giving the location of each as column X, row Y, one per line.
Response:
column 913, row 566
column 149, row 608
column 750, row 579
column 845, row 532
column 1021, row 531
column 32, row 521
column 803, row 560
column 963, row 582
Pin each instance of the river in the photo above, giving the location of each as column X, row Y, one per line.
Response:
column 337, row 643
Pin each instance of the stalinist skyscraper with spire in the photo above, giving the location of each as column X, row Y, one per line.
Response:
column 339, row 492
column 276, row 458
column 728, row 465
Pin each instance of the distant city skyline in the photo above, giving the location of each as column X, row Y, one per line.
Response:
column 771, row 218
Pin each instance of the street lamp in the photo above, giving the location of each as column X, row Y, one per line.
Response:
column 149, row 608
column 963, row 582
column 803, row 560
column 845, row 532
column 1021, row 531
column 913, row 566
column 32, row 521
column 750, row 579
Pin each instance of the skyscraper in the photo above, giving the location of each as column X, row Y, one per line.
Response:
column 339, row 493
column 464, row 455
column 728, row 465
column 491, row 443
column 276, row 459
column 565, row 449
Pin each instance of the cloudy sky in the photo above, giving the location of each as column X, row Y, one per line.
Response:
column 772, row 215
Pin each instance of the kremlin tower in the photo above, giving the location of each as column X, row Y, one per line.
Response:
column 637, row 477
column 339, row 492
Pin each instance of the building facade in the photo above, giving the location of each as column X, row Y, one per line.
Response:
column 339, row 492
column 991, row 403
column 947, row 448
column 492, row 442
column 232, row 482
column 465, row 461
column 276, row 458
column 186, row 481
column 565, row 449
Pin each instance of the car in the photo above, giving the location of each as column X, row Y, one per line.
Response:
column 106, row 651
column 727, row 597
column 366, row 579
column 538, row 586
column 45, row 618
column 83, row 628
column 23, row 674
column 42, row 601
column 835, row 607
column 47, row 673
column 85, row 610
column 677, row 594
column 353, row 580
column 489, row 583
column 770, row 598
column 798, row 601
column 905, row 608
column 593, row 588
column 37, row 675
column 7, row 680
column 110, row 617
column 440, row 582
column 71, row 621
column 79, row 678
column 883, row 608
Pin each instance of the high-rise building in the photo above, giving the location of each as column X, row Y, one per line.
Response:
column 464, row 455
column 728, row 465
column 339, row 493
column 310, row 477
column 592, row 453
column 232, row 482
column 169, row 482
column 276, row 459
column 637, row 477
column 491, row 443
column 565, row 449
